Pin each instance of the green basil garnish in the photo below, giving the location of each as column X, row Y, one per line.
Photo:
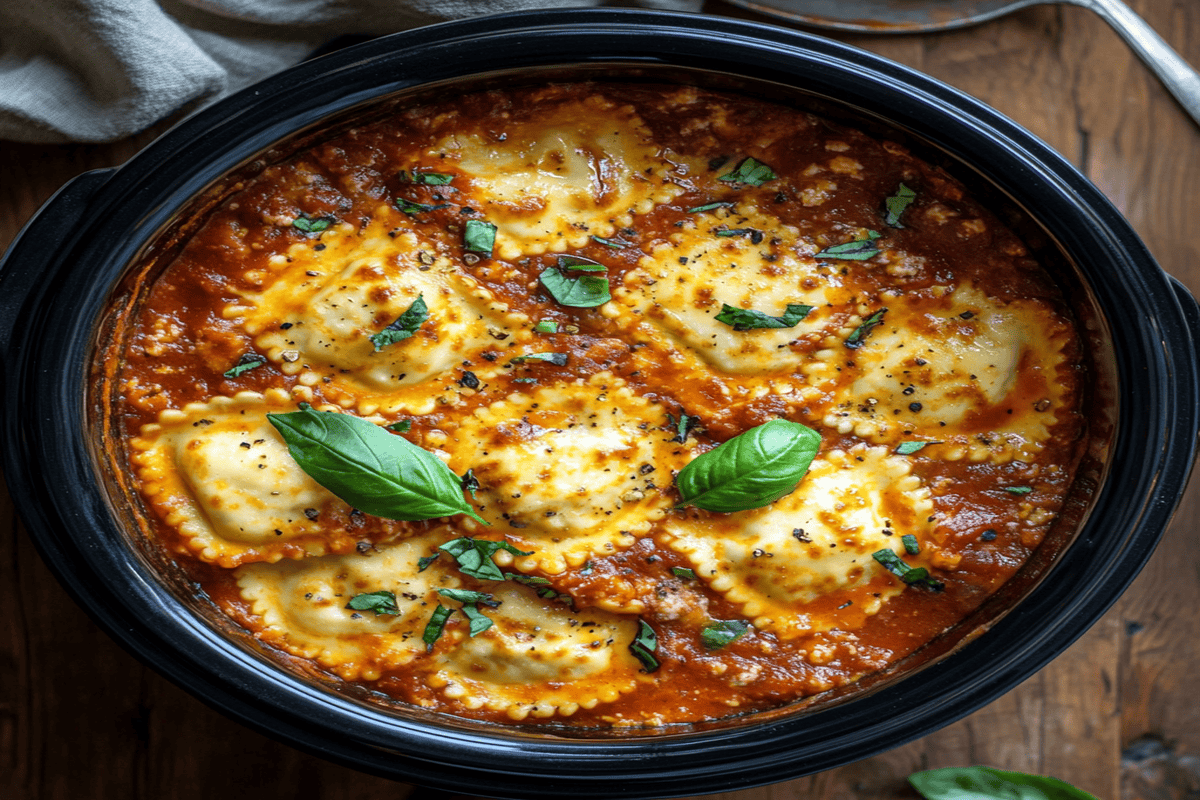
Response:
column 684, row 573
column 471, row 601
column 753, row 234
column 474, row 556
column 615, row 244
column 745, row 319
column 857, row 250
column 723, row 631
column 404, row 326
column 557, row 359
column 424, row 562
column 913, row 576
column 546, row 326
column 435, row 626
column 751, row 171
column 897, row 203
column 412, row 208
column 376, row 472
column 711, row 206
column 400, row 426
column 470, row 483
column 683, row 427
column 908, row 448
column 580, row 291
column 985, row 783
column 910, row 544
column 1018, row 489
column 859, row 335
column 425, row 178
column 479, row 236
column 311, row 224
column 643, row 646
column 244, row 364
column 381, row 602
column 751, row 470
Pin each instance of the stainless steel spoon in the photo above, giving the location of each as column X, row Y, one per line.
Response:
column 912, row 16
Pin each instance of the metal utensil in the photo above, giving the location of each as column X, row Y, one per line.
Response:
column 913, row 16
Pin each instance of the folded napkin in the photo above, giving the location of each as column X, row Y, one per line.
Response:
column 99, row 70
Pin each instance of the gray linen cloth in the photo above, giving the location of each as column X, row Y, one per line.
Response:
column 100, row 70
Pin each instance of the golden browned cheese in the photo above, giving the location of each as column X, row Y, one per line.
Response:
column 616, row 278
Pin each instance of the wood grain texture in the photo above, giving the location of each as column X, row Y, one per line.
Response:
column 82, row 720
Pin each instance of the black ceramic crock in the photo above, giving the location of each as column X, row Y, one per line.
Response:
column 55, row 286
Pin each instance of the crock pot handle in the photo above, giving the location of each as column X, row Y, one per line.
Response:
column 40, row 245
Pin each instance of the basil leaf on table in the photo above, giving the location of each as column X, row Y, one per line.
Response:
column 746, row 319
column 376, row 472
column 751, row 470
column 985, row 783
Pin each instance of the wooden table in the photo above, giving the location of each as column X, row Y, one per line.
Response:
column 1118, row 714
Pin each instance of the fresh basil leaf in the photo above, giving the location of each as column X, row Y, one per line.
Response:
column 897, row 203
column 311, row 224
column 684, row 573
column 470, row 483
column 859, row 335
column 375, row 471
column 683, row 427
column 751, row 171
column 436, row 625
column 405, row 325
column 745, row 319
column 557, row 359
column 723, row 631
column 412, row 208
column 711, row 207
column 580, row 264
column 400, row 426
column 615, row 244
column 985, row 783
column 425, row 178
column 913, row 576
column 424, row 562
column 467, row 596
column 643, row 646
column 528, row 580
column 908, row 448
column 474, row 556
column 1018, row 489
column 546, row 326
column 244, row 364
column 750, row 470
column 479, row 236
column 910, row 544
column 857, row 250
column 753, row 234
column 583, row 291
column 479, row 621
column 381, row 602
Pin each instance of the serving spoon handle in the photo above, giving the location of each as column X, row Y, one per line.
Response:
column 1176, row 74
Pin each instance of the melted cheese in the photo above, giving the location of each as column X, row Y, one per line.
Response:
column 792, row 565
column 539, row 658
column 303, row 606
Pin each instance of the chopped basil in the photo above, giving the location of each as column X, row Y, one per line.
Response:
column 753, row 234
column 435, row 626
column 723, row 631
column 616, row 244
column 479, row 621
column 470, row 483
column 644, row 645
column 908, row 448
column 381, row 602
column 468, row 596
column 425, row 178
column 910, row 544
column 986, row 783
column 913, row 576
column 546, row 326
column 404, row 326
column 857, row 250
column 856, row 338
column 311, row 224
column 244, row 364
column 751, row 171
column 373, row 470
column 744, row 319
column 1018, row 489
column 580, row 291
column 479, row 236
column 474, row 556
column 684, row 573
column 412, row 208
column 682, row 428
column 424, row 562
column 751, row 470
column 711, row 207
column 557, row 359
column 400, row 426
column 897, row 203
column 528, row 580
